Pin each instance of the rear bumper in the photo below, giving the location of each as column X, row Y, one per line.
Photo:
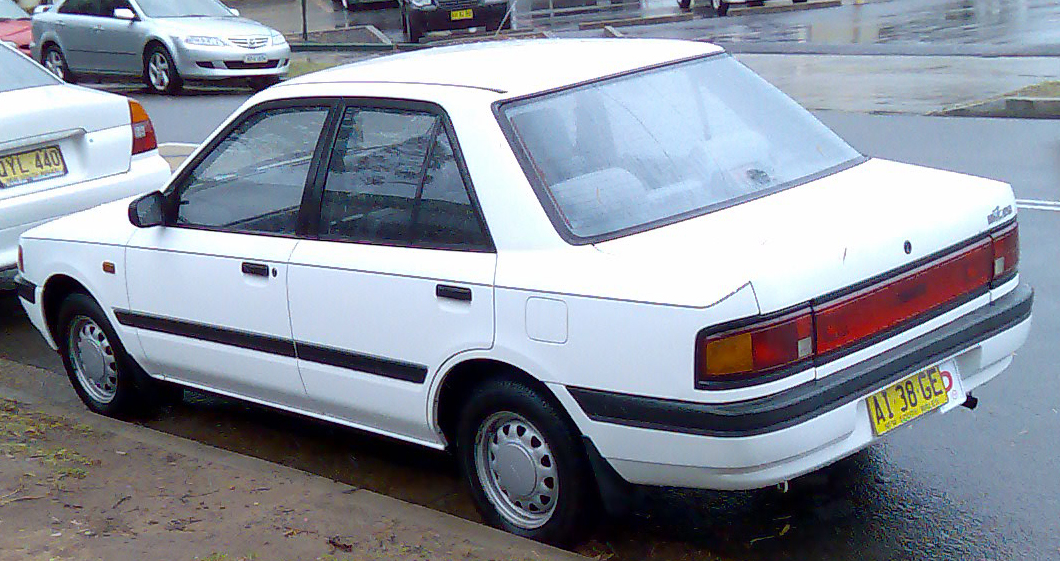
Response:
column 439, row 19
column 763, row 441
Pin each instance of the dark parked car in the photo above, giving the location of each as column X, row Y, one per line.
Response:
column 421, row 16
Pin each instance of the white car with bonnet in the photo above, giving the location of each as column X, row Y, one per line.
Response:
column 644, row 265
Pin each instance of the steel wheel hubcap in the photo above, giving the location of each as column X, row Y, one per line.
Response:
column 517, row 469
column 158, row 71
column 54, row 63
column 92, row 358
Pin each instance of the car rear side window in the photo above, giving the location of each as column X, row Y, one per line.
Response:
column 81, row 7
column 18, row 72
column 254, row 179
column 394, row 179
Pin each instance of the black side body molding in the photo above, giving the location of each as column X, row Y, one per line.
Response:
column 276, row 345
column 26, row 290
column 803, row 402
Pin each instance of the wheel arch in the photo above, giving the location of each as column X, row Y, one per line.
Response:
column 54, row 293
column 453, row 386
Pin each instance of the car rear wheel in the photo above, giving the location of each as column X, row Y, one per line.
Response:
column 102, row 374
column 53, row 59
column 160, row 73
column 524, row 463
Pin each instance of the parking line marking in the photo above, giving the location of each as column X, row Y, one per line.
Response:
column 1033, row 204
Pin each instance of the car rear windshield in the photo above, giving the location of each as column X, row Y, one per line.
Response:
column 183, row 8
column 19, row 72
column 630, row 153
column 10, row 10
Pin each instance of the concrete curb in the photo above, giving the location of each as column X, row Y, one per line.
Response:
column 1014, row 107
column 793, row 7
column 645, row 20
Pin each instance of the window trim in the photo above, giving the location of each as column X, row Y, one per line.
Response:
column 541, row 191
column 314, row 198
column 180, row 182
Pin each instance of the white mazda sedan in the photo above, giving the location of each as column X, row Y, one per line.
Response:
column 575, row 264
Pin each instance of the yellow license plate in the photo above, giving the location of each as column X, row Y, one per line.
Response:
column 908, row 399
column 35, row 165
column 456, row 15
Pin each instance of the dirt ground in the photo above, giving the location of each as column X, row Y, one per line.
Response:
column 76, row 488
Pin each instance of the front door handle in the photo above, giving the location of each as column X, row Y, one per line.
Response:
column 448, row 292
column 256, row 269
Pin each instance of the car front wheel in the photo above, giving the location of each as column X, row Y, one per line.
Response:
column 160, row 72
column 524, row 463
column 95, row 361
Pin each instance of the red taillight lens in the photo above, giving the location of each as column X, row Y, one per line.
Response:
column 880, row 308
column 757, row 349
column 142, row 130
column 1006, row 252
column 765, row 348
column 21, row 267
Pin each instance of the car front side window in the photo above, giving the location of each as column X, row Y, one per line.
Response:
column 253, row 181
column 394, row 179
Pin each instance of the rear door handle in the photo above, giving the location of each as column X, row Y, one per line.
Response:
column 449, row 292
column 256, row 269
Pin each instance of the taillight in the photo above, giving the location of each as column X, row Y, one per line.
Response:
column 883, row 307
column 1006, row 244
column 143, row 131
column 21, row 266
column 757, row 349
column 771, row 348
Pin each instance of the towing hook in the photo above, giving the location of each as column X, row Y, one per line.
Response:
column 971, row 402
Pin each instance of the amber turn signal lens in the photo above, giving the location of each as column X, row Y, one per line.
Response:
column 756, row 349
column 143, row 131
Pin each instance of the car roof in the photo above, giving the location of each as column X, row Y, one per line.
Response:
column 515, row 67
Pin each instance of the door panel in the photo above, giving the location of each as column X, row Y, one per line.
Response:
column 204, row 320
column 119, row 42
column 401, row 277
column 376, row 311
column 208, row 292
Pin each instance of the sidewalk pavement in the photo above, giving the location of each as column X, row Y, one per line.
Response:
column 74, row 485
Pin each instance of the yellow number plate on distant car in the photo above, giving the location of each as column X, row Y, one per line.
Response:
column 35, row 165
column 456, row 15
column 908, row 399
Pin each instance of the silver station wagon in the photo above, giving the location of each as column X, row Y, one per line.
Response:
column 163, row 42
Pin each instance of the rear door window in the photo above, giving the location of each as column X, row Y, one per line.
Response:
column 81, row 7
column 394, row 179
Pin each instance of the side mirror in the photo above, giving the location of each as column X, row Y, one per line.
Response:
column 148, row 210
column 125, row 14
column 234, row 11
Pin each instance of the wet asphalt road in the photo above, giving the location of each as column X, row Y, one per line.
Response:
column 966, row 485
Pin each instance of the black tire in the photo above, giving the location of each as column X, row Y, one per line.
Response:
column 133, row 392
column 57, row 65
column 160, row 73
column 259, row 83
column 560, row 469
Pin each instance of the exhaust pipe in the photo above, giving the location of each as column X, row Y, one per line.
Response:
column 971, row 402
